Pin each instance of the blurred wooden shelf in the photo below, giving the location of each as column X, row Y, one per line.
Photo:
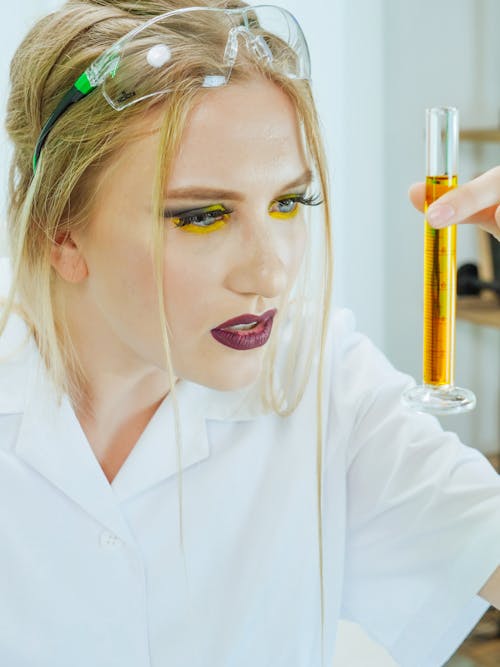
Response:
column 479, row 311
column 483, row 134
column 482, row 646
column 494, row 459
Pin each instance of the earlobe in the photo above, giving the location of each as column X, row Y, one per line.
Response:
column 67, row 259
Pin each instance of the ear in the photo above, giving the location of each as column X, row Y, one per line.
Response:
column 67, row 259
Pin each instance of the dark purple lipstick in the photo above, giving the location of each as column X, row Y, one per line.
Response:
column 246, row 331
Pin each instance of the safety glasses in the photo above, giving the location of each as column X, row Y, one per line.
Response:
column 151, row 59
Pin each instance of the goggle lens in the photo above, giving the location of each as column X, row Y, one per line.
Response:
column 152, row 61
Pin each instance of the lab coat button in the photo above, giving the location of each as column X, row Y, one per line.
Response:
column 109, row 541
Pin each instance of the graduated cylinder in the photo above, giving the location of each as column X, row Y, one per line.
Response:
column 440, row 267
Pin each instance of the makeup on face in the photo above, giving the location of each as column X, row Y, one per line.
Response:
column 245, row 332
column 216, row 196
column 211, row 217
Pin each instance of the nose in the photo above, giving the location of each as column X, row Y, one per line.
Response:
column 257, row 267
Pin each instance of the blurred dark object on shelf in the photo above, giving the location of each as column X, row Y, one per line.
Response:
column 495, row 254
column 469, row 283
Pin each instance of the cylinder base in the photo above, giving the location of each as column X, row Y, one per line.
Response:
column 439, row 400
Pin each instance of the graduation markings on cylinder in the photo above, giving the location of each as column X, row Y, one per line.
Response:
column 439, row 290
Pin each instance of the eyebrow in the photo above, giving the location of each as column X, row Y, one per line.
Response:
column 203, row 193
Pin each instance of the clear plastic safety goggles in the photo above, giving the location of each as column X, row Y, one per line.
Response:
column 149, row 60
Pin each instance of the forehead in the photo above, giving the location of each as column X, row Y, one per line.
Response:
column 239, row 132
column 240, row 135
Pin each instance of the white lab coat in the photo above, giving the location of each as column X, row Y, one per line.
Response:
column 91, row 573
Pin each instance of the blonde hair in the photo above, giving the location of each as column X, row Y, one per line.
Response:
column 84, row 140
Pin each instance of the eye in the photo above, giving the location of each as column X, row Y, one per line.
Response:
column 288, row 206
column 200, row 221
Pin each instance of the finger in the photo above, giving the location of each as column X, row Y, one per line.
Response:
column 475, row 201
column 416, row 194
column 488, row 219
column 485, row 217
column 494, row 227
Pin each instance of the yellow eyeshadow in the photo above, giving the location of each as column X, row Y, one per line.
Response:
column 192, row 228
column 196, row 229
column 279, row 214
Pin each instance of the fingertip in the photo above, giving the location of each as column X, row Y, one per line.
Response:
column 416, row 194
column 416, row 189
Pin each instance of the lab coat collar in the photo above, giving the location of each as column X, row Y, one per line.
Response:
column 52, row 442
column 155, row 456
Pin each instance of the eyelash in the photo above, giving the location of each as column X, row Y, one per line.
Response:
column 194, row 217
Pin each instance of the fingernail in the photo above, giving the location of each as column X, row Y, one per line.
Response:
column 439, row 214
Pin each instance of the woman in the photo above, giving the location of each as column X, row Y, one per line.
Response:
column 174, row 296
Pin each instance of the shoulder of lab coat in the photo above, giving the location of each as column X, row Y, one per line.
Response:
column 422, row 529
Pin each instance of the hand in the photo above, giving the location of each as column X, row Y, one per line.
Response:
column 475, row 202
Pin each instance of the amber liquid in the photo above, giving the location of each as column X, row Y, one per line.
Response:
column 440, row 275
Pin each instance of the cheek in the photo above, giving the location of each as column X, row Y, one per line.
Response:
column 121, row 274
column 295, row 244
column 190, row 285
column 130, row 290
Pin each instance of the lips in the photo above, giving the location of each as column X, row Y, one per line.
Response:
column 247, row 318
column 248, row 337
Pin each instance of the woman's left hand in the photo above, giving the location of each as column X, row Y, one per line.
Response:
column 475, row 202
